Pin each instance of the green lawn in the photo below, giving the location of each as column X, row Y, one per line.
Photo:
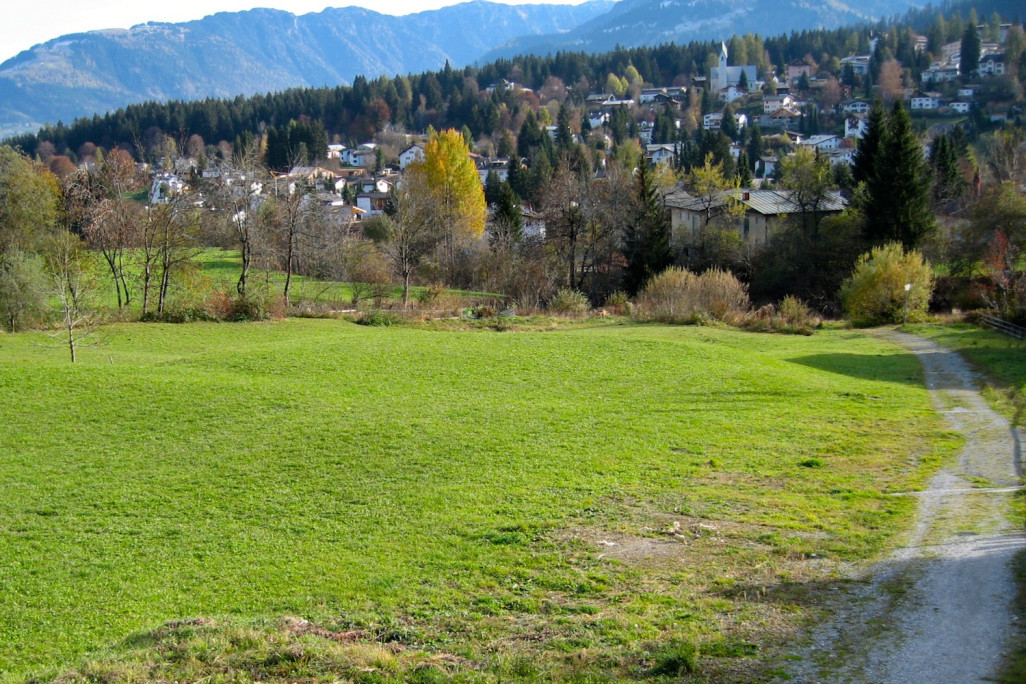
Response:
column 577, row 498
column 217, row 270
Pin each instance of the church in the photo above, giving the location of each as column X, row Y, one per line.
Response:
column 722, row 77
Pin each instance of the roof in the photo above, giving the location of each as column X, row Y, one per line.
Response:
column 765, row 202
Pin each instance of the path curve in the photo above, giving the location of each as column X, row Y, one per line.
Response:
column 940, row 608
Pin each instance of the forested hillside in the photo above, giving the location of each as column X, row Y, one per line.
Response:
column 261, row 50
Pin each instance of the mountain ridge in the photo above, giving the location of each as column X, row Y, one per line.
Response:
column 632, row 23
column 260, row 50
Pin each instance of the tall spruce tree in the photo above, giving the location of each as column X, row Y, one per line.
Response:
column 969, row 61
column 898, row 203
column 948, row 182
column 869, row 145
column 508, row 222
column 755, row 146
column 646, row 238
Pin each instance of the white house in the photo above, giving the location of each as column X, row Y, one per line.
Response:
column 822, row 142
column 960, row 107
column 732, row 93
column 939, row 75
column 992, row 65
column 840, row 155
column 925, row 102
column 649, row 95
column 855, row 107
column 413, row 153
column 335, row 151
column 165, row 187
column 772, row 103
column 766, row 166
column 659, row 154
column 372, row 203
column 714, row 120
column 855, row 126
column 360, row 156
column 859, row 63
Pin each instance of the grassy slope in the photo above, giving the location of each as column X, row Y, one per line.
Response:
column 448, row 489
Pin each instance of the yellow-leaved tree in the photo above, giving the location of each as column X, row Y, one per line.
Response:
column 455, row 203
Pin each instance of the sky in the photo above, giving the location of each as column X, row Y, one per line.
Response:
column 26, row 22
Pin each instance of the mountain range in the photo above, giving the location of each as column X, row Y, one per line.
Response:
column 633, row 23
column 260, row 50
column 263, row 50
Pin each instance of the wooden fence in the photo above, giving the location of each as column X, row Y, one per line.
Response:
column 1005, row 327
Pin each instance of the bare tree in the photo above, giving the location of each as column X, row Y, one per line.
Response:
column 409, row 236
column 565, row 217
column 167, row 244
column 99, row 204
column 237, row 199
column 70, row 285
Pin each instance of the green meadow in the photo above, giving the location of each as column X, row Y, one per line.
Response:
column 592, row 501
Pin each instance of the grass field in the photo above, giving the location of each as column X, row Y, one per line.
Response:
column 217, row 270
column 582, row 502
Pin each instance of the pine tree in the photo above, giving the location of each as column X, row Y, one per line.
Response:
column 970, row 58
column 869, row 145
column 898, row 204
column 508, row 220
column 744, row 170
column 491, row 187
column 755, row 146
column 948, row 182
column 729, row 123
column 647, row 237
column 564, row 134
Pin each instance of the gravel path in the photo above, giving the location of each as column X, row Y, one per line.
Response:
column 939, row 609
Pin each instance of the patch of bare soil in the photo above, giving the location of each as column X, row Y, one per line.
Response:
column 939, row 609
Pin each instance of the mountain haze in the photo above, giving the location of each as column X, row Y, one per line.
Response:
column 261, row 50
column 632, row 23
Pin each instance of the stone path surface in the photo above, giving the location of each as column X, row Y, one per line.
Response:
column 940, row 608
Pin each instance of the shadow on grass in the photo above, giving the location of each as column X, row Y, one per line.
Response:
column 937, row 370
column 876, row 367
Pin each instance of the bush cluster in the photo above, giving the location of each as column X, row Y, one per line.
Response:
column 569, row 302
column 221, row 306
column 378, row 318
column 679, row 296
column 876, row 291
column 792, row 316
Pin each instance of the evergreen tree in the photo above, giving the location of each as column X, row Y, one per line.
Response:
column 970, row 59
column 948, row 182
column 508, row 220
column 646, row 238
column 491, row 187
column 744, row 170
column 898, row 192
column 869, row 145
column 755, row 147
column 518, row 178
column 729, row 123
column 564, row 134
